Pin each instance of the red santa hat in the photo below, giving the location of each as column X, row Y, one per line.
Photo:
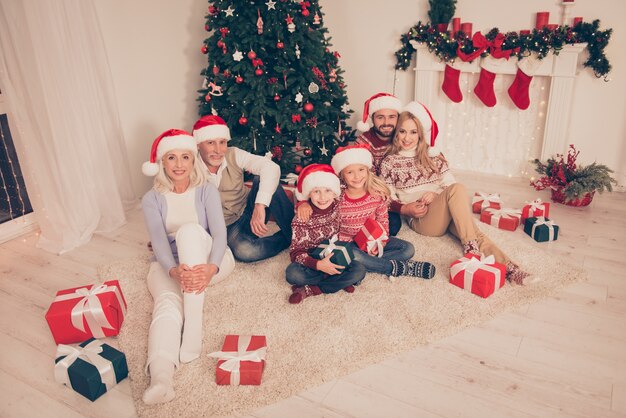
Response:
column 375, row 103
column 317, row 175
column 210, row 127
column 431, row 130
column 352, row 154
column 169, row 140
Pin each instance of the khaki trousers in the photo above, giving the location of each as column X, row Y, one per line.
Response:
column 451, row 212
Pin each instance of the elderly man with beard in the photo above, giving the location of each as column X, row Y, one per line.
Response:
column 383, row 109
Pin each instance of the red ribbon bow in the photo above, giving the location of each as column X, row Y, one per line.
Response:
column 481, row 44
column 295, row 118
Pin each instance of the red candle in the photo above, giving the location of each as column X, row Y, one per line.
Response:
column 552, row 26
column 466, row 27
column 524, row 32
column 577, row 20
column 456, row 24
column 542, row 20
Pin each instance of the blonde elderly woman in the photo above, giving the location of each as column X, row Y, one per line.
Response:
column 188, row 234
column 425, row 191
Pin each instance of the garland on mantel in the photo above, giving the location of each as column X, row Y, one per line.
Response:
column 539, row 41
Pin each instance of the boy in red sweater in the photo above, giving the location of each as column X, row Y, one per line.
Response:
column 310, row 276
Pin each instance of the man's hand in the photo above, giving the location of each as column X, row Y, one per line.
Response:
column 328, row 267
column 257, row 222
column 304, row 211
column 414, row 209
column 428, row 197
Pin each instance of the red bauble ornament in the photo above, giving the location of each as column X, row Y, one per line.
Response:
column 308, row 107
column 216, row 70
column 308, row 152
column 258, row 72
column 239, row 79
column 305, row 12
column 220, row 43
column 207, row 98
column 207, row 28
column 280, row 45
column 212, row 10
column 204, row 49
column 276, row 98
column 243, row 120
column 251, row 55
column 297, row 168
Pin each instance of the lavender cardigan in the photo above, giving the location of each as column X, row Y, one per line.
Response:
column 210, row 217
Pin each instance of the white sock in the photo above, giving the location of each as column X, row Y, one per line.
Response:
column 161, row 387
column 192, row 327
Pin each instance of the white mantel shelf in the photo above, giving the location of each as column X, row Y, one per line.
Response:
column 562, row 69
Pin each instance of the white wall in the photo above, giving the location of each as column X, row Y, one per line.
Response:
column 153, row 47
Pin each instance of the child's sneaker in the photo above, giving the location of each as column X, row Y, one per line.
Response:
column 303, row 292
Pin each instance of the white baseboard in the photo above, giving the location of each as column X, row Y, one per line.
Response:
column 16, row 227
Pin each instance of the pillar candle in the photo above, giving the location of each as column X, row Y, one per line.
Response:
column 542, row 20
column 456, row 24
column 552, row 26
column 577, row 20
column 467, row 28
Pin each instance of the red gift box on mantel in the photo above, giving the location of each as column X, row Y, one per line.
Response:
column 482, row 201
column 480, row 275
column 81, row 313
column 506, row 218
column 371, row 237
column 241, row 360
column 535, row 209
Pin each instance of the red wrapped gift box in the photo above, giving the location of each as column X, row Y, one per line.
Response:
column 506, row 218
column 482, row 277
column 482, row 201
column 241, row 360
column 535, row 209
column 371, row 237
column 81, row 313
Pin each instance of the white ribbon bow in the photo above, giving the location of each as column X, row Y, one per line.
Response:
column 496, row 214
column 290, row 179
column 90, row 308
column 485, row 199
column 471, row 265
column 234, row 358
column 375, row 242
column 331, row 246
column 90, row 353
column 543, row 221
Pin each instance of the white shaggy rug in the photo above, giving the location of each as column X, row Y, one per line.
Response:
column 328, row 336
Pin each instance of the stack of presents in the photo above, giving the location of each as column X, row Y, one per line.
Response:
column 80, row 317
column 482, row 275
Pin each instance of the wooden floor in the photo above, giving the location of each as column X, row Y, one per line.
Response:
column 563, row 356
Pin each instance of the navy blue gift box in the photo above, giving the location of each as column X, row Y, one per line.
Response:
column 91, row 368
column 541, row 229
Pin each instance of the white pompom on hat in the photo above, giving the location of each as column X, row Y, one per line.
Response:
column 352, row 154
column 210, row 127
column 169, row 140
column 375, row 103
column 317, row 175
column 431, row 129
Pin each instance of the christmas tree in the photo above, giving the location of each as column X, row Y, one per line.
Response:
column 272, row 77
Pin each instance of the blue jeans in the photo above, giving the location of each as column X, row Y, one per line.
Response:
column 300, row 275
column 248, row 247
column 395, row 249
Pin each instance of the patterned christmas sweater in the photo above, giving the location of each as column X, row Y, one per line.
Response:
column 354, row 213
column 408, row 181
column 322, row 224
column 378, row 147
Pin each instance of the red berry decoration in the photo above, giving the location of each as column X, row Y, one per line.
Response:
column 305, row 12
column 297, row 168
column 308, row 107
column 251, row 55
column 239, row 79
column 204, row 49
column 243, row 120
column 276, row 98
column 258, row 72
column 207, row 28
column 308, row 152
column 280, row 45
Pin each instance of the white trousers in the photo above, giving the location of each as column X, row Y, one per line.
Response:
column 164, row 337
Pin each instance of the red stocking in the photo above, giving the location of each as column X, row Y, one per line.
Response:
column 518, row 91
column 484, row 87
column 450, row 84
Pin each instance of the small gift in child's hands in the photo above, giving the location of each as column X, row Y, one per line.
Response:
column 371, row 238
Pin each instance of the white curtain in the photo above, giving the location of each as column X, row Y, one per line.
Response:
column 64, row 119
column 498, row 140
